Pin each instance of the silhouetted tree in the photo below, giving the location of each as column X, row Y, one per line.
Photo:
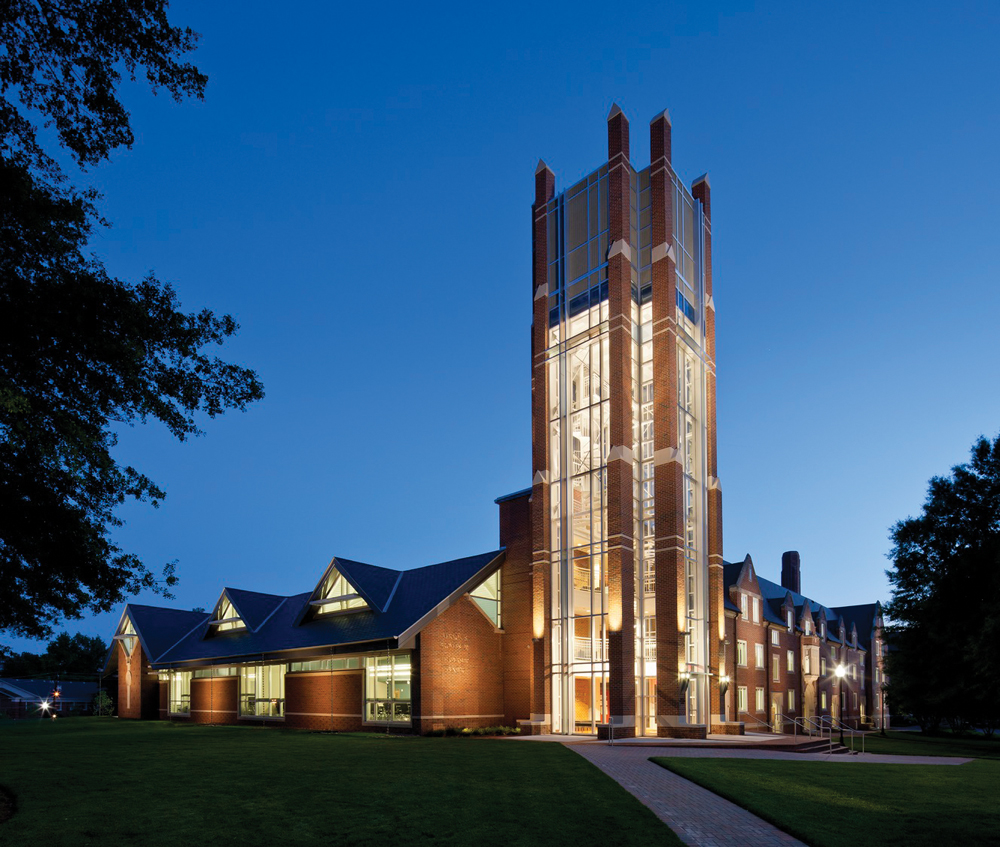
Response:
column 82, row 353
column 66, row 654
column 945, row 661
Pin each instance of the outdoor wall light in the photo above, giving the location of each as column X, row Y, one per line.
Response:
column 723, row 684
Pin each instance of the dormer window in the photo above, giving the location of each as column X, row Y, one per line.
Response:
column 127, row 636
column 807, row 626
column 756, row 609
column 790, row 617
column 822, row 630
column 487, row 597
column 336, row 594
column 226, row 617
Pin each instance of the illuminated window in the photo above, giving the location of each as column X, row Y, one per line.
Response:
column 127, row 636
column 226, row 617
column 211, row 673
column 387, row 689
column 759, row 655
column 743, row 606
column 807, row 662
column 336, row 594
column 741, row 653
column 791, row 661
column 822, row 700
column 822, row 630
column 756, row 610
column 348, row 664
column 774, row 637
column 791, row 700
column 262, row 691
column 487, row 597
column 791, row 621
column 179, row 696
column 822, row 665
column 741, row 698
column 807, row 626
column 775, row 668
column 759, row 700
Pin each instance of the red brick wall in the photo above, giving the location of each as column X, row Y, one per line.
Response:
column 215, row 700
column 461, row 671
column 138, row 686
column 330, row 700
column 516, row 611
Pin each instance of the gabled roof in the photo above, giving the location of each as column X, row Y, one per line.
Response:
column 157, row 628
column 396, row 613
column 373, row 583
column 253, row 607
column 774, row 600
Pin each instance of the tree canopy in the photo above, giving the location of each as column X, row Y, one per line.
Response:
column 81, row 352
column 65, row 655
column 944, row 662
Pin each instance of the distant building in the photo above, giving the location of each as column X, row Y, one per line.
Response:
column 20, row 698
column 608, row 607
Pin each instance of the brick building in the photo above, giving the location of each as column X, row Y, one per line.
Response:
column 608, row 606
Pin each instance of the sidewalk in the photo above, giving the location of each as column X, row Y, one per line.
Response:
column 697, row 815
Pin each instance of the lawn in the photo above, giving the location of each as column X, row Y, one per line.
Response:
column 110, row 782
column 830, row 804
column 918, row 744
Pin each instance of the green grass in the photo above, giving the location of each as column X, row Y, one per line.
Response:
column 918, row 744
column 112, row 782
column 831, row 804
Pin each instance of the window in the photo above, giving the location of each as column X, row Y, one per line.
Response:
column 756, row 609
column 741, row 698
column 775, row 667
column 336, row 594
column 179, row 693
column 790, row 618
column 211, row 673
column 854, row 671
column 807, row 625
column 822, row 629
column 487, row 597
column 262, row 691
column 387, row 689
column 759, row 700
column 807, row 661
column 791, row 700
column 326, row 665
column 743, row 606
column 741, row 653
column 774, row 637
column 791, row 661
column 855, row 700
column 822, row 700
column 127, row 636
column 759, row 655
column 226, row 617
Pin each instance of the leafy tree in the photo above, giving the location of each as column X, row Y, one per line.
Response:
column 82, row 353
column 65, row 655
column 945, row 661
column 103, row 704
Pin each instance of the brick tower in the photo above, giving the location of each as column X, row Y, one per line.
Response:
column 626, row 509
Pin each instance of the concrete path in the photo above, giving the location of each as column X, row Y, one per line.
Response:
column 697, row 815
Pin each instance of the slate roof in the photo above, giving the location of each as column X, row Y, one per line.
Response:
column 862, row 616
column 400, row 603
column 41, row 689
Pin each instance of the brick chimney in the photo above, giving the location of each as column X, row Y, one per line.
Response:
column 790, row 578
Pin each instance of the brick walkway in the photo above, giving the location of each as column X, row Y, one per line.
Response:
column 697, row 815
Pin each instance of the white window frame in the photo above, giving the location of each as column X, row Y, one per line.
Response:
column 759, row 659
column 741, row 653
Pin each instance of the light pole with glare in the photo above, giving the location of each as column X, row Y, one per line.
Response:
column 841, row 672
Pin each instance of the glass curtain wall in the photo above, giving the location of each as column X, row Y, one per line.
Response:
column 579, row 435
column 262, row 691
column 180, row 692
column 388, row 689
column 579, row 428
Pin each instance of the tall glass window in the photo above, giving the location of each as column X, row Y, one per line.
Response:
column 179, row 689
column 387, row 689
column 262, row 691
column 486, row 595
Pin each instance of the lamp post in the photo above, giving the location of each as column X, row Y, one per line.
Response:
column 841, row 672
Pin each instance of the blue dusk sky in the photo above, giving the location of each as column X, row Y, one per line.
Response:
column 355, row 190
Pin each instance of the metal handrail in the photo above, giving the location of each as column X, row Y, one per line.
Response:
column 756, row 720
